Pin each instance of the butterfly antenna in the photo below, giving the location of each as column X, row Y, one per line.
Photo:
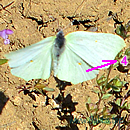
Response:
column 66, row 26
column 74, row 14
column 59, row 28
column 78, row 7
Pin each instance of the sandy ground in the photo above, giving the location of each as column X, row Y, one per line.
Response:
column 31, row 21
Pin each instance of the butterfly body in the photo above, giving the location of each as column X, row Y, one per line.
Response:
column 58, row 49
column 68, row 56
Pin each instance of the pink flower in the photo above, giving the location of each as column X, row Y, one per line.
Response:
column 4, row 34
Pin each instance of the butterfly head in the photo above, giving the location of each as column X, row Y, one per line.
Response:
column 60, row 34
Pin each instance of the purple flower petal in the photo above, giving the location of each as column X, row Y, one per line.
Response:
column 4, row 34
column 8, row 31
column 6, row 41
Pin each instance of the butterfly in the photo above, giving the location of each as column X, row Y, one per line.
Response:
column 68, row 56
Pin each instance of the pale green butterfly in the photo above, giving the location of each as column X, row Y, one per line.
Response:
column 69, row 57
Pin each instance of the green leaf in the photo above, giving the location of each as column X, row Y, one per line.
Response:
column 101, row 80
column 43, row 87
column 120, row 54
column 2, row 61
column 87, row 105
column 96, row 91
column 127, row 26
column 115, row 88
column 120, row 30
column 106, row 96
column 104, row 109
column 116, row 64
column 116, row 83
column 89, row 100
column 118, row 101
column 127, row 52
column 48, row 89
column 124, row 105
column 105, row 120
column 119, row 83
column 128, row 105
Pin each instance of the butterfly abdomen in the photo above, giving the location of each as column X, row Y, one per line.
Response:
column 58, row 49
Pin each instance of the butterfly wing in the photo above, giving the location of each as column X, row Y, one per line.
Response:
column 32, row 62
column 95, row 47
column 84, row 50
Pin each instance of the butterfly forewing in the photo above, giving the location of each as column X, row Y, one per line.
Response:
column 32, row 62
